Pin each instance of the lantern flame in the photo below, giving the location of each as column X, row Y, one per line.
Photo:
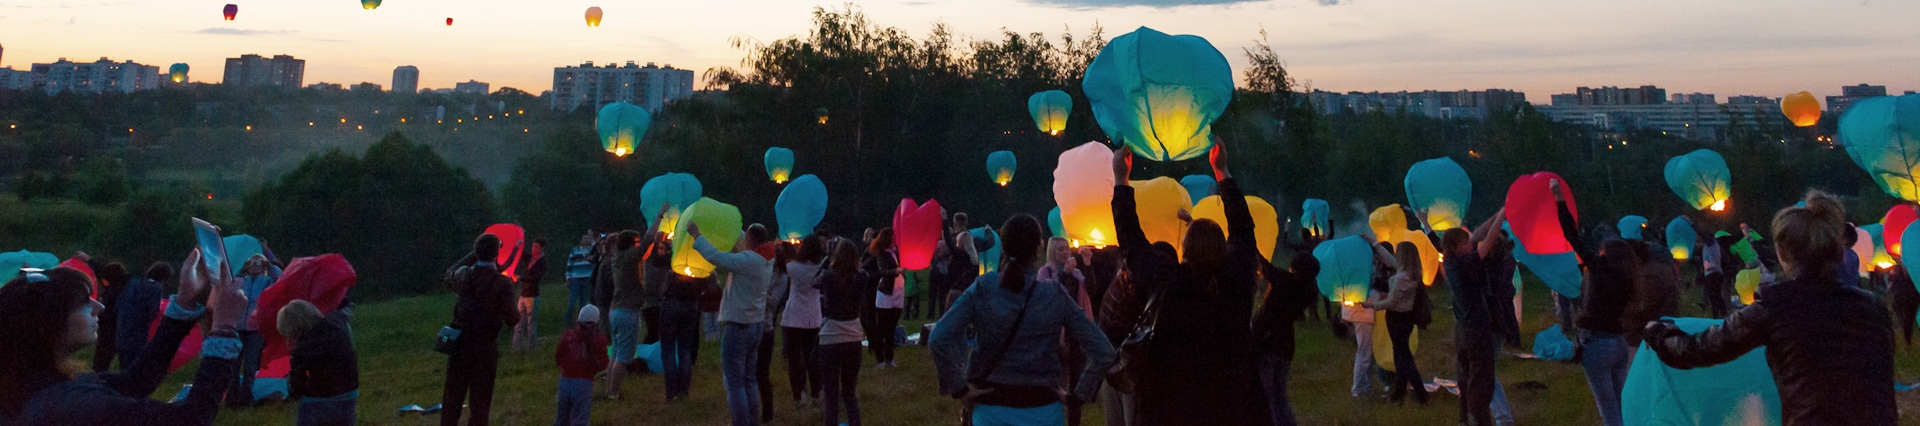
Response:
column 1886, row 265
column 1054, row 133
column 1718, row 206
column 1099, row 239
column 620, row 152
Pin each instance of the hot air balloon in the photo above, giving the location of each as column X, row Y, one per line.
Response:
column 229, row 11
column 719, row 224
column 1346, row 266
column 1083, row 188
column 1389, row 225
column 1440, row 189
column 779, row 163
column 1159, row 93
column 1049, row 110
column 985, row 236
column 1316, row 217
column 177, row 73
column 1054, row 226
column 369, row 4
column 1701, row 178
column 1158, row 202
column 1632, row 226
column 11, row 262
column 675, row 191
column 1198, row 187
column 916, row 233
column 1680, row 238
column 621, row 126
column 1533, row 216
column 1895, row 223
column 1882, row 135
column 1801, row 109
column 1266, row 221
column 1740, row 392
column 511, row 237
column 1880, row 259
column 593, row 16
column 1000, row 167
column 800, row 207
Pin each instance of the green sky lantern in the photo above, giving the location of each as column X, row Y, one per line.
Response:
column 1159, row 93
column 1316, row 217
column 1632, row 226
column 1049, row 110
column 1882, row 135
column 800, row 207
column 1441, row 189
column 1681, row 237
column 621, row 126
column 719, row 223
column 1701, row 178
column 779, row 163
column 676, row 191
column 1346, row 265
column 177, row 73
column 1198, row 186
column 1000, row 167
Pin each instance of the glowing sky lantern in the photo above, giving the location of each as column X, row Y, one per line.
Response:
column 1631, row 227
column 779, row 163
column 1863, row 249
column 1159, row 93
column 1880, row 259
column 1559, row 271
column 1389, row 225
column 449, row 22
column 1198, row 187
column 1316, row 217
column 1701, row 178
column 229, row 11
column 593, row 16
column 1049, row 110
column 1000, row 167
column 1895, row 225
column 916, row 232
column 369, row 4
column 1083, row 188
column 11, row 262
column 1801, row 109
column 1882, row 135
column 1159, row 201
column 511, row 237
column 177, row 73
column 1440, row 189
column 800, row 207
column 1535, row 219
column 1054, row 226
column 1740, row 392
column 621, row 125
column 987, row 241
column 676, row 191
column 1346, row 266
column 1680, row 238
column 1266, row 221
column 1911, row 232
column 1745, row 284
column 719, row 224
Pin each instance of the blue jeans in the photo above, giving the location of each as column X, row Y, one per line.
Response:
column 994, row 415
column 1274, row 372
column 576, row 402
column 679, row 344
column 251, row 343
column 840, row 376
column 579, row 293
column 1605, row 358
column 739, row 350
column 1502, row 412
column 333, row 411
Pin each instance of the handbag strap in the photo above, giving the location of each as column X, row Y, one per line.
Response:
column 993, row 363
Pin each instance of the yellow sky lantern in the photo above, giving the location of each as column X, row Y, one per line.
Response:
column 1159, row 201
column 719, row 224
column 1389, row 225
column 593, row 16
column 1266, row 220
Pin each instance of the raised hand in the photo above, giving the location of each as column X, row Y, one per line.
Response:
column 1217, row 157
column 226, row 303
column 1122, row 165
column 193, row 281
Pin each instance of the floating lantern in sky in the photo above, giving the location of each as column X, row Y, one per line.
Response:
column 593, row 16
column 229, row 11
column 820, row 115
column 1680, row 238
column 177, row 73
column 449, row 22
column 675, row 191
column 916, row 233
column 1895, row 223
column 1346, row 266
column 1801, row 109
column 1739, row 392
column 1701, row 178
column 369, row 4
column 1440, row 189
column 1882, row 135
column 1159, row 93
column 1000, row 167
column 1632, row 226
column 1198, row 187
column 1083, row 188
column 621, row 125
column 719, row 224
column 800, row 207
column 1316, row 217
column 1049, row 110
column 1266, row 221
column 779, row 162
column 1534, row 217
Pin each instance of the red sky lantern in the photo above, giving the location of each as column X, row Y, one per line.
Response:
column 1531, row 212
column 916, row 232
column 511, row 236
column 1894, row 224
column 449, row 22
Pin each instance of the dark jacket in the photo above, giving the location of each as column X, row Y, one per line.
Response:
column 530, row 277
column 1500, row 268
column 483, row 304
column 1603, row 296
column 1289, row 293
column 323, row 362
column 121, row 398
column 138, row 305
column 844, row 298
column 1473, row 320
column 1830, row 349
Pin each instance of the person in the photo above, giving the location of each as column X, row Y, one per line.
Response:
column 1401, row 302
column 890, row 292
column 526, row 334
column 50, row 317
column 1012, row 375
column 579, row 276
column 1612, row 275
column 628, row 299
column 1120, row 314
column 258, row 273
column 1658, row 294
column 580, row 358
column 777, row 290
column 1290, row 293
column 483, row 305
column 323, row 369
column 1830, row 348
column 800, row 322
column 113, row 282
column 680, row 329
column 139, row 304
column 843, row 289
column 1360, row 320
column 963, row 263
column 1063, row 268
column 749, row 268
column 1476, row 319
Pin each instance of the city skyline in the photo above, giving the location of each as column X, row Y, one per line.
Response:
column 1718, row 47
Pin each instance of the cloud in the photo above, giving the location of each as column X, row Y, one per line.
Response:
column 1330, row 2
column 241, row 32
column 1099, row 4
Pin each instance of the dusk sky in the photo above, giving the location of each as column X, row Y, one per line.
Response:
column 1542, row 47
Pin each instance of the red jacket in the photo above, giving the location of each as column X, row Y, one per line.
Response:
column 582, row 353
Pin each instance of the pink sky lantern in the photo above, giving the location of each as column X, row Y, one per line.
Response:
column 1535, row 220
column 1895, row 223
column 916, row 232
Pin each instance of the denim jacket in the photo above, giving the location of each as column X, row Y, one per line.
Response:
column 1033, row 358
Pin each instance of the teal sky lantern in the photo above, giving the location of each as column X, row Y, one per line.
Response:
column 1440, row 189
column 1000, row 167
column 1054, row 225
column 621, row 125
column 11, row 262
column 177, row 73
column 1316, row 217
column 1882, row 135
column 1198, row 186
column 1739, row 392
column 1559, row 271
column 1346, row 265
column 1680, row 238
column 987, row 241
column 1632, row 227
column 800, row 207
column 1701, row 178
column 1050, row 110
column 674, row 190
column 779, row 164
column 1159, row 93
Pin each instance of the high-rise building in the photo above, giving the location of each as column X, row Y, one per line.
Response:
column 1849, row 94
column 406, row 79
column 11, row 79
column 101, row 76
column 1692, row 99
column 1462, row 104
column 254, row 70
column 1611, row 95
column 472, row 87
column 650, row 87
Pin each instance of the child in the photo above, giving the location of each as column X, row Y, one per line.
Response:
column 324, row 372
column 580, row 356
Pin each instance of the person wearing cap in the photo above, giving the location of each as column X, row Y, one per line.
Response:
column 323, row 368
column 579, row 357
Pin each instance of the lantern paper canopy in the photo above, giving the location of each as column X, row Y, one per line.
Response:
column 1316, row 217
column 820, row 114
column 1745, row 284
column 1346, row 267
column 779, row 163
column 369, row 4
column 1740, row 392
column 1801, row 109
column 1535, row 219
column 1880, row 259
column 1158, row 93
column 1701, row 178
column 11, row 262
column 1895, row 225
column 1440, row 189
column 1198, row 187
column 1632, row 227
column 240, row 248
column 916, row 233
column 1266, row 221
column 593, row 16
column 1049, row 110
column 511, row 237
column 987, row 242
column 1159, row 201
column 1389, row 225
column 719, row 224
column 230, row 10
column 1882, row 135
column 800, row 207
column 1083, row 188
column 1054, row 226
column 1681, row 237
column 323, row 280
column 1910, row 233
column 621, row 125
column 1383, row 341
column 676, row 191
column 1559, row 271
column 1863, row 249
column 177, row 73
column 1000, row 167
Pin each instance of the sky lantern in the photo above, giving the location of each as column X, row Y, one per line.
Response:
column 229, row 11
column 1680, row 238
column 1801, row 109
column 1882, row 135
column 916, row 232
column 1159, row 93
column 985, row 236
column 369, row 4
column 511, row 236
column 1316, row 217
column 1158, row 203
column 1198, row 187
column 800, row 207
column 1000, row 167
column 240, row 248
column 593, row 16
column 1389, row 225
column 11, row 262
column 322, row 280
column 779, row 163
column 1054, row 226
column 1740, row 392
column 719, row 224
column 1701, row 178
column 621, row 125
column 1535, row 219
column 1895, row 223
column 1440, row 189
column 1745, row 283
column 449, row 22
column 820, row 114
column 1083, row 188
column 177, row 73
column 1346, row 266
column 1632, row 227
column 1880, row 259
column 676, row 191
column 1266, row 221
column 1863, row 249
column 1049, row 110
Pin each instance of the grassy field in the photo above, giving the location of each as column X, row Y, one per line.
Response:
column 398, row 368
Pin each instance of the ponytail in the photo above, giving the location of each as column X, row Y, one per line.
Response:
column 1809, row 238
column 1020, row 241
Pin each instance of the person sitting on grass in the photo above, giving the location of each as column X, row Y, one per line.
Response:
column 324, row 370
column 579, row 357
